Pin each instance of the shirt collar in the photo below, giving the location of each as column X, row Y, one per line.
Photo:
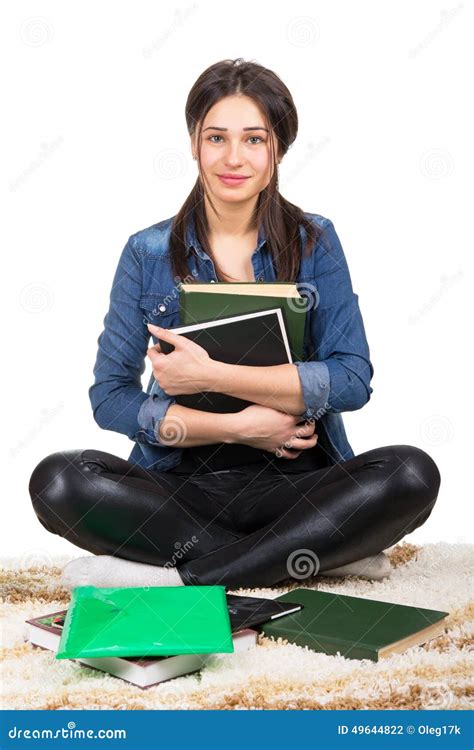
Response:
column 192, row 240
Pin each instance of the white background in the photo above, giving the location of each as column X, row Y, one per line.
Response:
column 95, row 148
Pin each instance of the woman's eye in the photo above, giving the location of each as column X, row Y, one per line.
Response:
column 252, row 136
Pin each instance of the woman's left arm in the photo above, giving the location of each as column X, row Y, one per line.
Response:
column 338, row 378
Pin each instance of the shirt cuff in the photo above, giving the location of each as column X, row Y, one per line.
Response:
column 316, row 385
column 151, row 414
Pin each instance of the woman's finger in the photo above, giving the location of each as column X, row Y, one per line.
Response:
column 166, row 335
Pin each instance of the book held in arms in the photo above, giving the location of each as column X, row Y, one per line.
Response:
column 261, row 325
column 206, row 301
column 244, row 612
column 356, row 627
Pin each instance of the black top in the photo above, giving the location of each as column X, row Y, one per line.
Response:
column 308, row 460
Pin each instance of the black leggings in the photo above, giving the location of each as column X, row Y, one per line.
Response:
column 240, row 528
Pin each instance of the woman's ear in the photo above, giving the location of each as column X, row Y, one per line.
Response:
column 193, row 146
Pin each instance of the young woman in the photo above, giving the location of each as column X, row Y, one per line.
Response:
column 181, row 510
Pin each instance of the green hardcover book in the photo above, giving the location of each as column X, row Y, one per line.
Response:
column 205, row 301
column 355, row 627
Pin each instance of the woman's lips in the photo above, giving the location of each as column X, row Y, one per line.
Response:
column 233, row 181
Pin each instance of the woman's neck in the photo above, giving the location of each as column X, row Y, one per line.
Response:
column 234, row 221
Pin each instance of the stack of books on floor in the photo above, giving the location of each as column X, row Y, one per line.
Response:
column 151, row 634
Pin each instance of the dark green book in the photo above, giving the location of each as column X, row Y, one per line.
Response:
column 201, row 302
column 355, row 627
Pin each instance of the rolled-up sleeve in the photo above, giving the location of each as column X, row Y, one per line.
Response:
column 152, row 412
column 337, row 375
column 117, row 397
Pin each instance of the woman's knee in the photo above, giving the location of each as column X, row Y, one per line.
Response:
column 414, row 477
column 54, row 485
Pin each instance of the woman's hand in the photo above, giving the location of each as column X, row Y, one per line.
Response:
column 184, row 370
column 275, row 431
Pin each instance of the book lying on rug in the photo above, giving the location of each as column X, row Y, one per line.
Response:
column 257, row 339
column 145, row 621
column 244, row 611
column 205, row 301
column 45, row 632
column 356, row 627
column 248, row 611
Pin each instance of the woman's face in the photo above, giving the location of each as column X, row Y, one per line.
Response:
column 235, row 140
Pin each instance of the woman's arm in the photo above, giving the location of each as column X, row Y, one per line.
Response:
column 277, row 386
column 183, row 427
column 338, row 378
column 117, row 397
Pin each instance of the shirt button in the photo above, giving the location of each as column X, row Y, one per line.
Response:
column 162, row 308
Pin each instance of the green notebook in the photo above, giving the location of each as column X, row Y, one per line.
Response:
column 146, row 621
column 204, row 301
column 356, row 627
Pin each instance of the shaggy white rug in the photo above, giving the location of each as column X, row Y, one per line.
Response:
column 274, row 675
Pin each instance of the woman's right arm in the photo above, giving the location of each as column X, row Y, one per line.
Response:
column 117, row 398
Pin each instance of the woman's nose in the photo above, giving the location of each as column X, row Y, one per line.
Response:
column 233, row 155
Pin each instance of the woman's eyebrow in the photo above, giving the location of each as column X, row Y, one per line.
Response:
column 214, row 127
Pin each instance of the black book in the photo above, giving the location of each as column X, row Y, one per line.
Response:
column 257, row 339
column 248, row 611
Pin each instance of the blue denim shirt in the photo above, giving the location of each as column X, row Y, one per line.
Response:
column 335, row 374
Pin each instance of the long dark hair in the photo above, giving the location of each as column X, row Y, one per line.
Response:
column 280, row 218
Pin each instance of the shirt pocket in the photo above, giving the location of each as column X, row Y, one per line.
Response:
column 160, row 309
